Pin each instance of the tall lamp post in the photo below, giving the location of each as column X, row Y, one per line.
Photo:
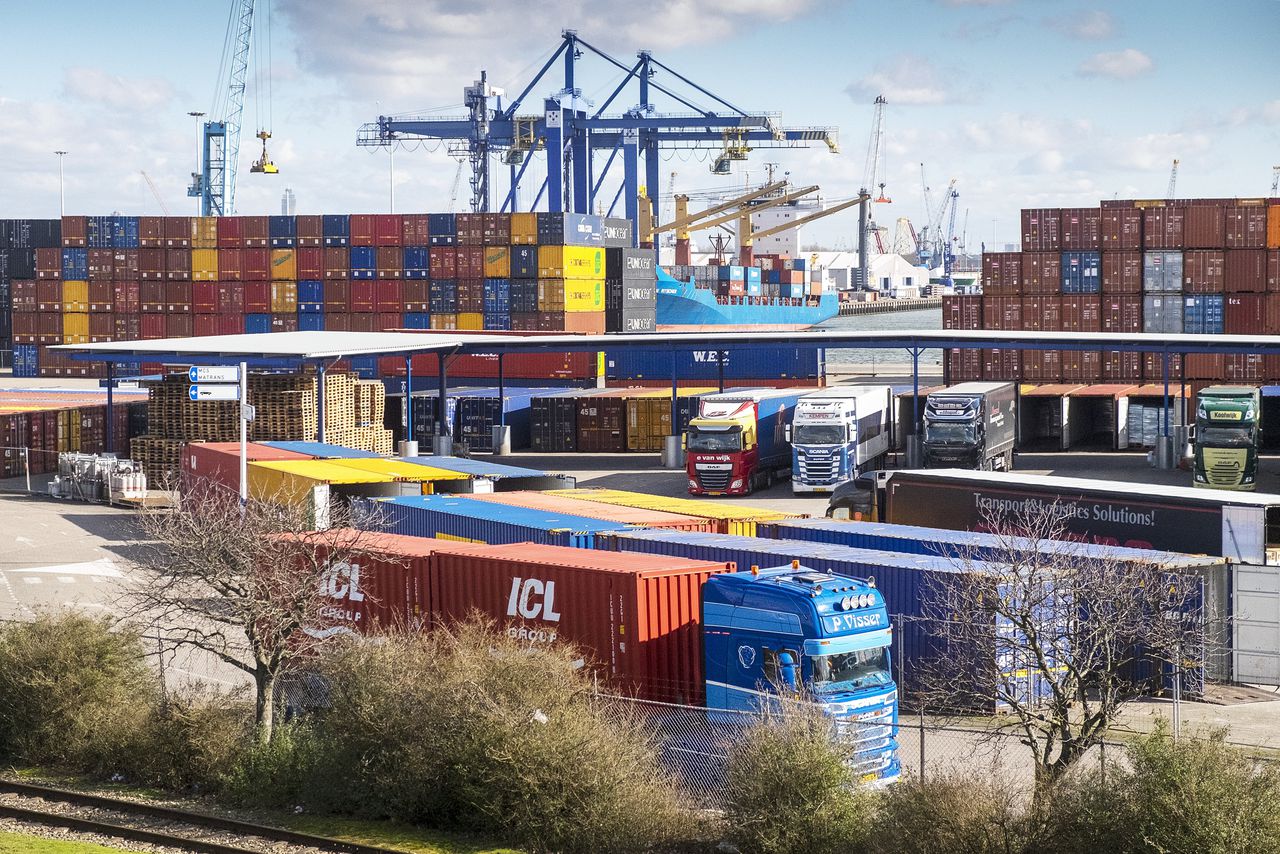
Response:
column 62, row 197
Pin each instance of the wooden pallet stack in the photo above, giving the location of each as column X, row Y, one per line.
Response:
column 159, row 457
column 286, row 407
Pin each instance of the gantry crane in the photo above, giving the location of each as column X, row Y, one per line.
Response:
column 215, row 182
column 572, row 138
column 948, row 252
column 871, row 175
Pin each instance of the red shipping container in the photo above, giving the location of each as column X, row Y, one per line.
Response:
column 636, row 616
column 386, row 320
column 1271, row 368
column 497, row 228
column 1041, row 229
column 387, row 230
column 958, row 312
column 48, row 296
column 361, row 295
column 151, row 232
column 124, row 265
column 1121, row 367
column 178, row 326
column 361, row 230
column 1002, row 271
column 177, row 297
column 48, row 263
column 336, row 321
column 1243, row 367
column 1204, row 271
column 230, row 298
column 336, row 296
column 48, row 328
column 387, row 295
column 417, row 295
column 1041, row 272
column 310, row 262
column 1243, row 314
column 1042, row 313
column 126, row 297
column 470, row 228
column 414, row 230
column 1002, row 312
column 1271, row 314
column 1002, row 365
column 230, row 265
column 1153, row 367
column 177, row 264
column 1122, row 313
column 390, row 262
column 1122, row 272
column 101, row 263
column 75, row 231
column 152, row 326
column 218, row 463
column 151, row 297
column 1205, row 227
column 1081, row 366
column 1273, row 270
column 1042, row 366
column 230, row 324
column 257, row 297
column 230, row 233
column 362, row 322
column 255, row 232
column 1246, row 270
column 284, row 322
column 24, row 295
column 336, row 262
column 1246, row 226
column 204, row 324
column 177, row 232
column 471, row 263
column 204, row 298
column 309, row 230
column 1081, row 313
column 1081, row 229
column 964, row 365
column 101, row 327
column 25, row 328
column 1163, row 227
column 1204, row 366
column 443, row 261
column 255, row 264
column 1121, row 228
column 101, row 296
column 151, row 264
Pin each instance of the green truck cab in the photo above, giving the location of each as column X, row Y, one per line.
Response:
column 1228, row 424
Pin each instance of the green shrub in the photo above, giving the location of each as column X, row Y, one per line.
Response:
column 790, row 791
column 73, row 693
column 949, row 815
column 194, row 742
column 278, row 773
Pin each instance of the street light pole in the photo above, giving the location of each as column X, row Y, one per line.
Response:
column 62, row 197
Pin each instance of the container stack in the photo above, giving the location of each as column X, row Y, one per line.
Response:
column 631, row 291
column 775, row 277
column 1197, row 266
column 37, row 426
column 85, row 279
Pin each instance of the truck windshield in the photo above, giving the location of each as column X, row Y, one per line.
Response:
column 847, row 670
column 1226, row 437
column 818, row 434
column 945, row 433
column 718, row 442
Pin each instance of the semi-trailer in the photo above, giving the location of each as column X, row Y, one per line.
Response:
column 660, row 628
column 836, row 434
column 738, row 442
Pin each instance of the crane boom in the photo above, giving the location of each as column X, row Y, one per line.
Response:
column 682, row 223
column 698, row 224
column 152, row 184
column 808, row 219
column 1173, row 179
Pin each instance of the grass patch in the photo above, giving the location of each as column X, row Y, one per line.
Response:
column 387, row 834
column 21, row 843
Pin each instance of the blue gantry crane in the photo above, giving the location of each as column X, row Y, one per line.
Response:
column 574, row 134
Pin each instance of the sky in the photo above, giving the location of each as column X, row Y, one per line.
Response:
column 1025, row 103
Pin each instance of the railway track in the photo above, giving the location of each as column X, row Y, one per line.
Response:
column 159, row 825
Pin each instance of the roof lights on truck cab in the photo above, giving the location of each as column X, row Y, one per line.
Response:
column 851, row 603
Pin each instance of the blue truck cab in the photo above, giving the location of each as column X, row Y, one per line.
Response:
column 771, row 632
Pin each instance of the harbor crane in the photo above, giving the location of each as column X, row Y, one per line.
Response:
column 871, row 174
column 1275, row 180
column 574, row 139
column 215, row 182
column 1173, row 179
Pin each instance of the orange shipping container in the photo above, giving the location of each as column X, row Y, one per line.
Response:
column 284, row 265
column 284, row 297
column 1273, row 227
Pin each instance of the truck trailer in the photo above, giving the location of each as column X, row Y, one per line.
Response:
column 738, row 442
column 971, row 425
column 836, row 434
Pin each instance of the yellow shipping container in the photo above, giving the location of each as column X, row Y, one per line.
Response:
column 204, row 232
column 497, row 262
column 204, row 264
column 75, row 297
column 732, row 519
column 577, row 295
column 444, row 321
column 284, row 265
column 75, row 327
column 524, row 229
column 294, row 480
column 284, row 297
column 400, row 470
column 649, row 417
column 570, row 262
column 471, row 321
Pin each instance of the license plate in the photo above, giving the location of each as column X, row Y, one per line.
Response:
column 870, row 778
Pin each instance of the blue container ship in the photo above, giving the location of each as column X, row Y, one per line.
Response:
column 683, row 303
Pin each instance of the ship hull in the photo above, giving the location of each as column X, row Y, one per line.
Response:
column 682, row 304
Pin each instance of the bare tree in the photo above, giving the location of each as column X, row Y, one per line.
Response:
column 1053, row 638
column 256, row 587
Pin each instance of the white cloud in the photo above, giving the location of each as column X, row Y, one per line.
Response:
column 1121, row 64
column 1094, row 25
column 907, row 79
column 95, row 86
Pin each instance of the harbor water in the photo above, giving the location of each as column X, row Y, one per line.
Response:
column 878, row 361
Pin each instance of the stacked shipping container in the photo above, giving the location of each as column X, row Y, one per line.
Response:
column 1161, row 267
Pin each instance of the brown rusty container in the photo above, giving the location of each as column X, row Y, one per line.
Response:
column 1153, row 367
column 1246, row 225
column 1204, row 271
column 1041, row 272
column 1041, row 230
column 1121, row 228
column 963, row 312
column 1163, row 227
column 151, row 232
column 602, row 422
column 1204, row 366
column 310, row 230
column 75, row 231
column 1121, row 367
column 1042, row 366
column 177, row 232
column 964, row 365
column 1081, row 313
column 1042, row 313
column 1122, row 272
column 1205, row 227
column 1081, row 366
column 1246, row 271
column 1121, row 313
column 1002, row 365
column 1002, row 273
column 1001, row 312
column 1273, row 270
column 1081, row 229
column 124, row 265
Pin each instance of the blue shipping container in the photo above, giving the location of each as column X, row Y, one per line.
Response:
column 366, row 367
column 124, row 232
column 477, row 468
column 363, row 262
column 311, row 321
column 443, row 296
column 336, row 229
column 310, row 290
column 99, row 232
column 417, row 320
column 1203, row 314
column 323, row 450
column 75, row 264
column 442, row 229
column 497, row 296
column 26, row 360
column 478, row 415
column 753, row 275
column 755, row 289
column 524, row 262
column 1081, row 272
column 570, row 229
column 497, row 322
column 283, row 230
column 742, row 364
column 255, row 323
column 417, row 262
column 485, row 522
